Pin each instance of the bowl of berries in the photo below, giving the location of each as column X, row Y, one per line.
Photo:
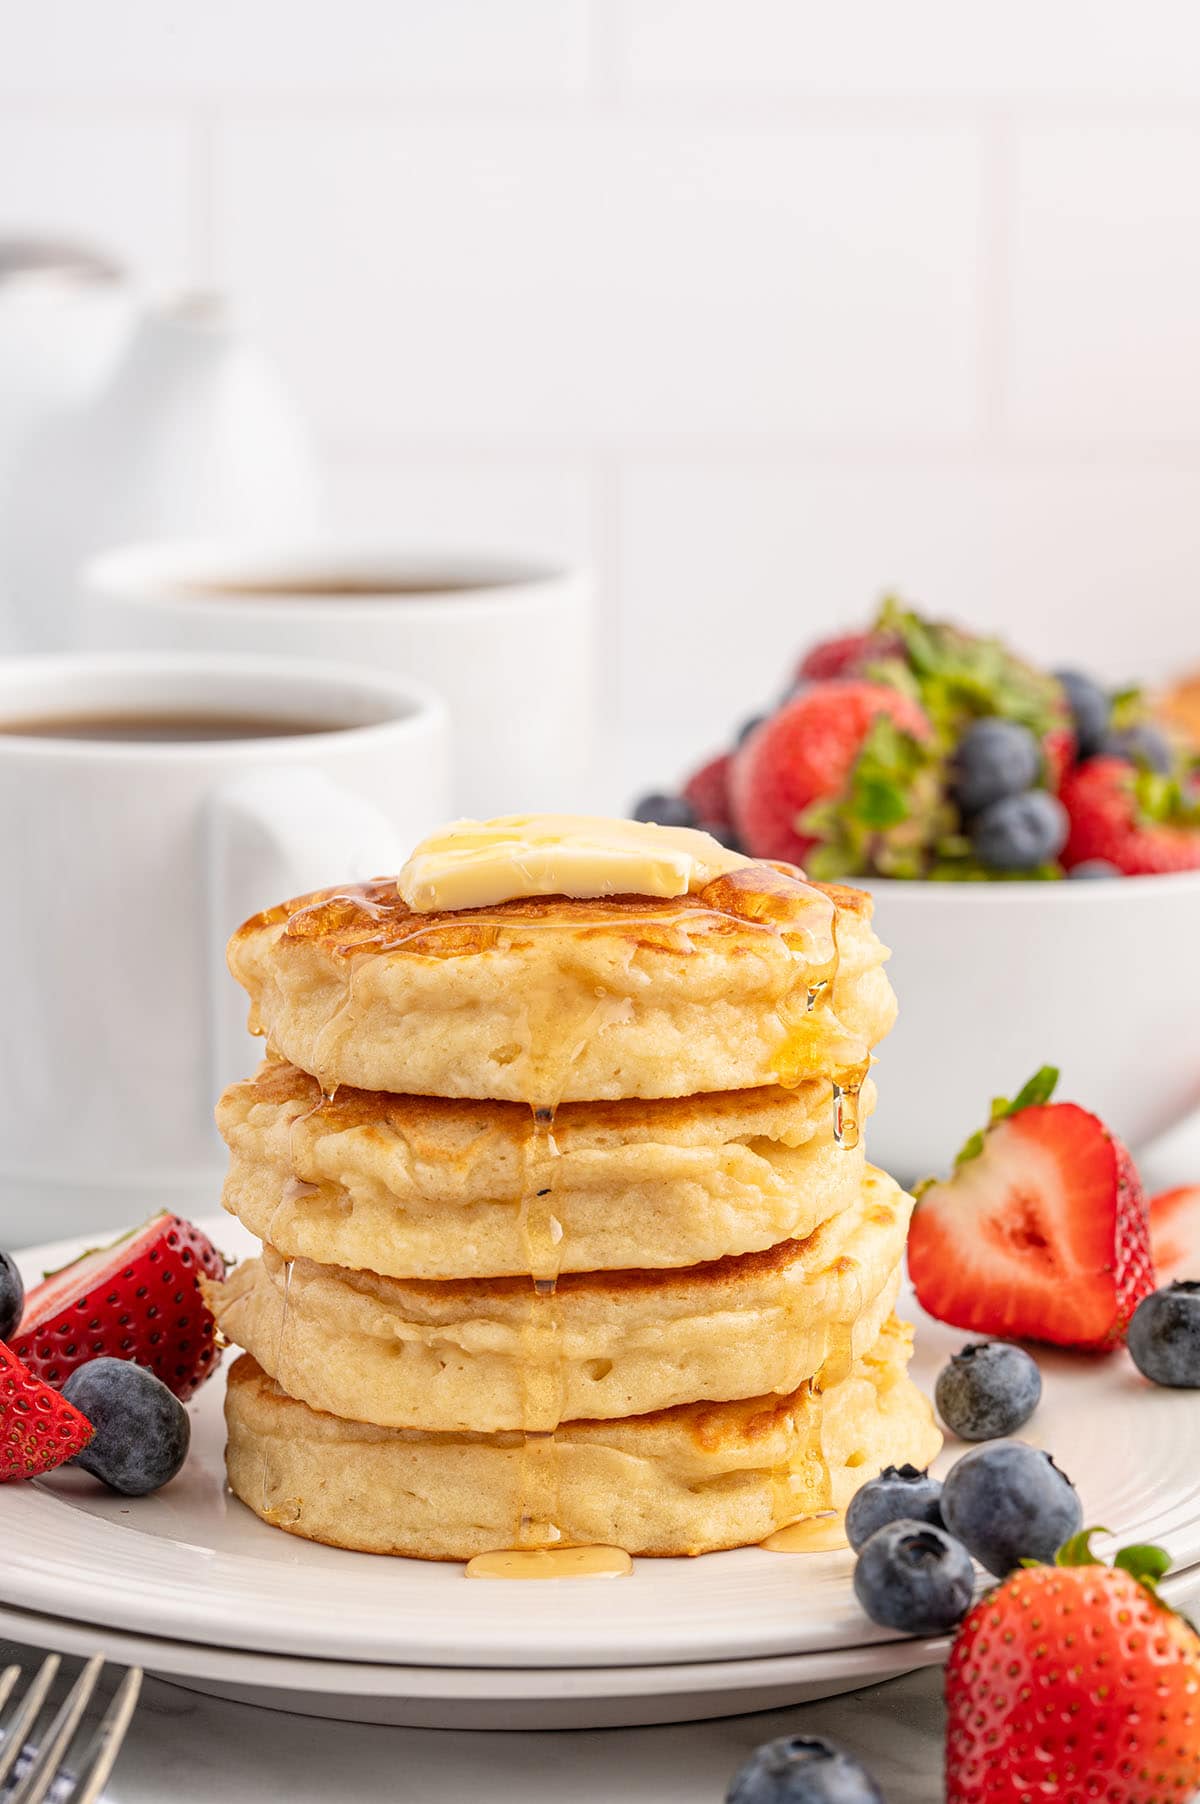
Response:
column 1033, row 843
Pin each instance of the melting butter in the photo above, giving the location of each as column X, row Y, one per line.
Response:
column 475, row 864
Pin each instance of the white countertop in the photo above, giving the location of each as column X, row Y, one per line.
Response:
column 188, row 1749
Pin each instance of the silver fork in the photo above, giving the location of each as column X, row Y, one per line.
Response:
column 44, row 1776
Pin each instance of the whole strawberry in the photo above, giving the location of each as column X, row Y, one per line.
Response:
column 1075, row 1682
column 137, row 1299
column 839, row 780
column 708, row 792
column 846, row 655
column 1138, row 820
column 39, row 1430
column 1041, row 1231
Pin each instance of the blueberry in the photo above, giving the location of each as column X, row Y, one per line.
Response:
column 1164, row 1336
column 1090, row 710
column 914, row 1576
column 1143, row 745
column 748, row 726
column 1008, row 1502
column 1021, row 832
column 988, row 1390
column 142, row 1430
column 1093, row 867
column 721, row 831
column 899, row 1491
column 665, row 811
column 800, row 1769
column 12, row 1296
column 995, row 758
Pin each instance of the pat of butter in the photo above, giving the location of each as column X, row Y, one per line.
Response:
column 474, row 864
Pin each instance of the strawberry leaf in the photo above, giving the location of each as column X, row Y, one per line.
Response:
column 1037, row 1091
column 1078, row 1550
column 1146, row 1564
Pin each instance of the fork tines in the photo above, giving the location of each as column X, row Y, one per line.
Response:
column 38, row 1769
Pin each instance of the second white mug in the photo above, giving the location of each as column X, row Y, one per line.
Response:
column 507, row 642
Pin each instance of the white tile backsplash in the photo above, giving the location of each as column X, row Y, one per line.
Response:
column 732, row 570
column 757, row 305
column 457, row 504
column 1105, row 284
column 573, row 279
column 122, row 185
column 960, row 49
column 278, row 48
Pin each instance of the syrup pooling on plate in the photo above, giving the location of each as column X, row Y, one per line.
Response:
column 551, row 1563
column 825, row 1533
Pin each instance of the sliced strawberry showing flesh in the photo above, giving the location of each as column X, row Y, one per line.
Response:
column 39, row 1430
column 1175, row 1233
column 1042, row 1235
column 137, row 1299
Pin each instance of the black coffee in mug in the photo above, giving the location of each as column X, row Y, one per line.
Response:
column 162, row 729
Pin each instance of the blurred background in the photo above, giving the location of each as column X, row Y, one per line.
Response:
column 758, row 308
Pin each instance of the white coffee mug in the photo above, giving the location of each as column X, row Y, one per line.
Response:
column 507, row 642
column 127, row 864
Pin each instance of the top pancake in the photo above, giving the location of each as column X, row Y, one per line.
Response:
column 759, row 978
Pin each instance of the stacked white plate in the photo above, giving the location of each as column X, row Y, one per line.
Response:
column 192, row 1586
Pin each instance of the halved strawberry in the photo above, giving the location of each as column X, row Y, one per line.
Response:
column 137, row 1299
column 38, row 1429
column 1175, row 1233
column 1040, row 1234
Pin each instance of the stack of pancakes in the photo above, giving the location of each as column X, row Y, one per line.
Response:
column 568, row 1234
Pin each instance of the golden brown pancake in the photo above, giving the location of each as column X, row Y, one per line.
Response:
column 759, row 978
column 428, row 1187
column 685, row 1481
column 491, row 1354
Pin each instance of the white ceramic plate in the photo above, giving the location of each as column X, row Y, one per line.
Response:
column 192, row 1564
column 459, row 1697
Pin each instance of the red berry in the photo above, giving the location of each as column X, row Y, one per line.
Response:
column 39, row 1430
column 1058, row 749
column 845, row 655
column 1106, row 822
column 708, row 792
column 1040, row 1235
column 1175, row 1233
column 1073, row 1682
column 138, row 1299
column 806, row 753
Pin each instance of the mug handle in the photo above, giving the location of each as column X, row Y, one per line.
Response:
column 275, row 832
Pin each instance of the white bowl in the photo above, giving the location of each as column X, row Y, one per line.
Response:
column 1101, row 978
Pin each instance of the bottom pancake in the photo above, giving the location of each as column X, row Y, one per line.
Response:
column 688, row 1480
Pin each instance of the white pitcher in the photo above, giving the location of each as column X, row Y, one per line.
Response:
column 193, row 433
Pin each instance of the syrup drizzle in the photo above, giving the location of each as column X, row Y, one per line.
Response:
column 541, row 1363
column 283, row 1512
